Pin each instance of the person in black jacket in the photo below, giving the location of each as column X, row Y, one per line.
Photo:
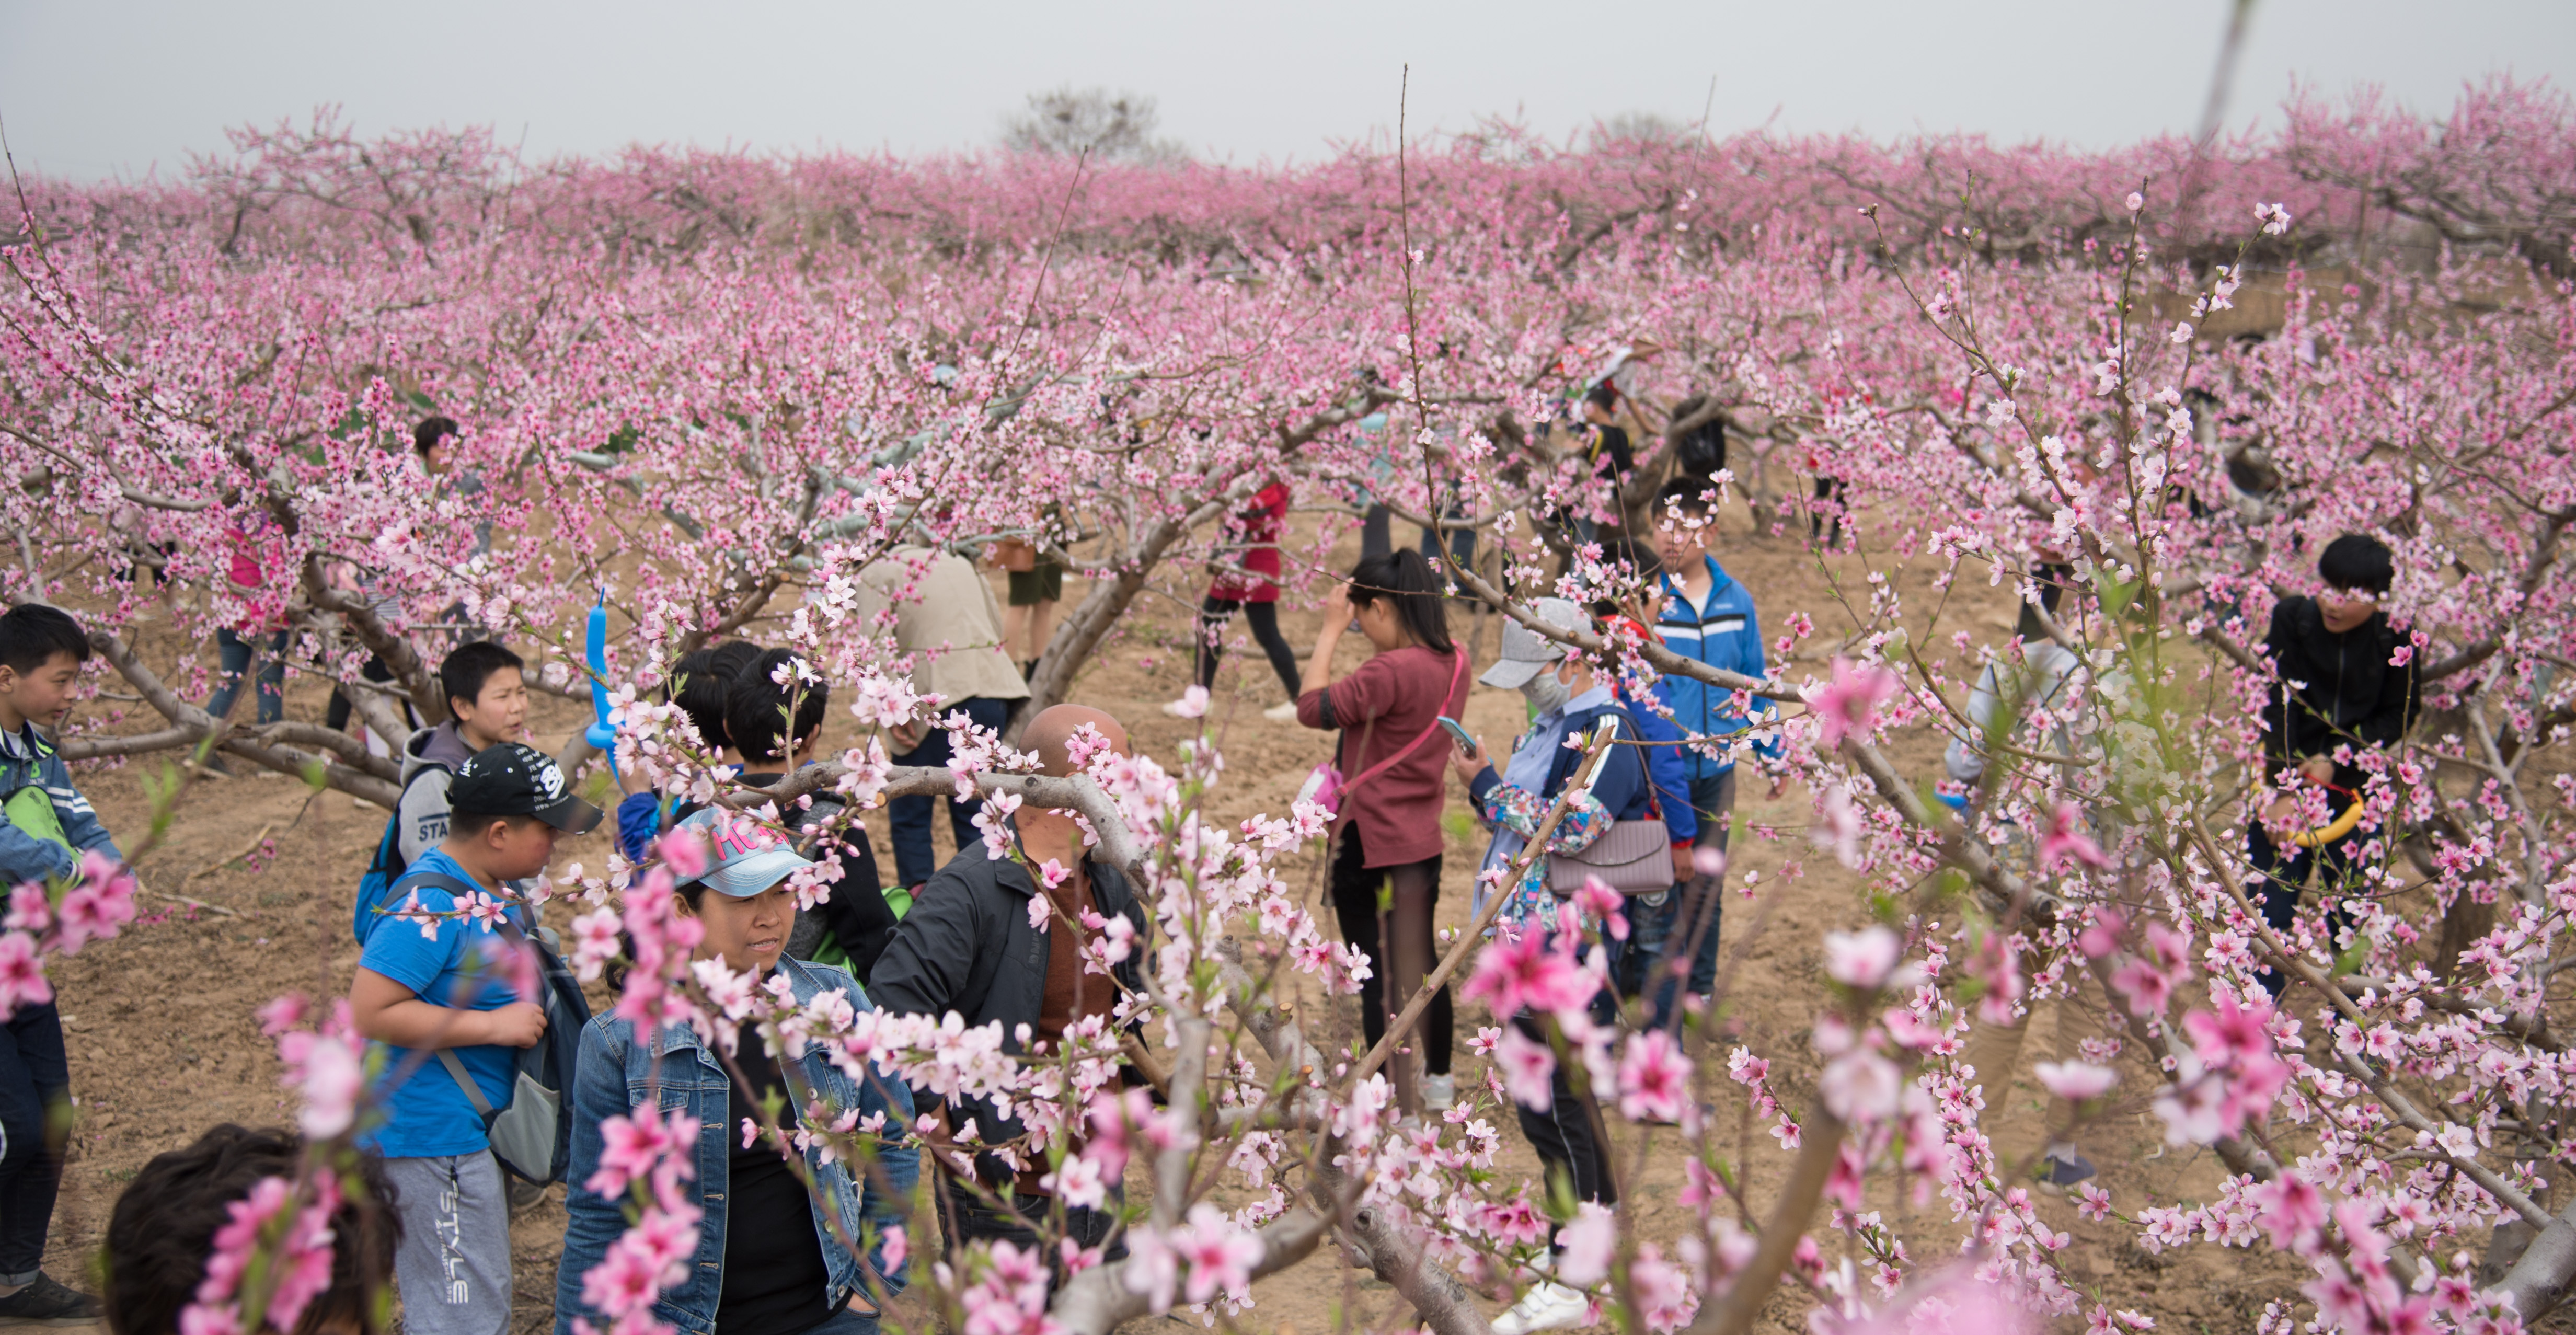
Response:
column 777, row 725
column 2339, row 686
column 969, row 945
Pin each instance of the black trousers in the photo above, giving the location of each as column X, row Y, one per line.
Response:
column 2280, row 880
column 35, row 1081
column 1566, row 1136
column 1216, row 613
column 337, row 717
column 1355, row 902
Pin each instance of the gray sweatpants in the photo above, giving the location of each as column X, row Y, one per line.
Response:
column 453, row 1265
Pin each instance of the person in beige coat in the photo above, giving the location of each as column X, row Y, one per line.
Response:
column 944, row 616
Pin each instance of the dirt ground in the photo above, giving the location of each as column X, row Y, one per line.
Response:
column 164, row 1043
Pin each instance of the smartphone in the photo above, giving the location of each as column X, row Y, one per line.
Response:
column 1458, row 734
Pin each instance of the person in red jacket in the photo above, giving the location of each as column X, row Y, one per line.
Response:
column 1247, row 577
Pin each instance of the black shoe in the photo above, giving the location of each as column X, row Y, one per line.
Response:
column 2067, row 1170
column 46, row 1303
column 524, row 1196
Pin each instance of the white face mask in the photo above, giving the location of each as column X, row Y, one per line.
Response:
column 1545, row 693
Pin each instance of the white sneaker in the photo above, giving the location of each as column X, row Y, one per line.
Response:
column 1439, row 1093
column 1548, row 1306
column 1283, row 712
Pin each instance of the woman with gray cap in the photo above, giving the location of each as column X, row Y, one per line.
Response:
column 1567, row 702
column 769, row 1259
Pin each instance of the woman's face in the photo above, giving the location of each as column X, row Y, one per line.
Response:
column 1381, row 625
column 747, row 934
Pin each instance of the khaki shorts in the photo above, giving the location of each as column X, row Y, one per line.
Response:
column 1042, row 585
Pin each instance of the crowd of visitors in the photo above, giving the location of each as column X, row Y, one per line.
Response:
column 1628, row 784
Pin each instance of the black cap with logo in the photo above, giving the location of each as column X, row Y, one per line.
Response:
column 515, row 779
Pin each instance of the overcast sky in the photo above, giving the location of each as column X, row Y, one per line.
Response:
column 102, row 87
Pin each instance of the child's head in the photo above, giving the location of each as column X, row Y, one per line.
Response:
column 486, row 692
column 756, row 714
column 508, row 804
column 700, row 689
column 2357, row 570
column 1399, row 601
column 41, row 650
column 1684, row 521
column 435, row 440
column 1601, row 403
column 164, row 1226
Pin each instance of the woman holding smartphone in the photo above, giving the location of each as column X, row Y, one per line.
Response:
column 1386, row 862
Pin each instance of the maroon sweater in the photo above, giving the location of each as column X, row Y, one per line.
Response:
column 1385, row 707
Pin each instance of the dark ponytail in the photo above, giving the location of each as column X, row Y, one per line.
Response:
column 1405, row 576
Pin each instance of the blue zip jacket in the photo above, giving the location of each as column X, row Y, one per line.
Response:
column 1668, row 766
column 616, row 1075
column 26, row 758
column 1723, row 632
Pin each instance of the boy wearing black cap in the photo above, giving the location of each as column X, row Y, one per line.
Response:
column 435, row 980
column 2340, row 686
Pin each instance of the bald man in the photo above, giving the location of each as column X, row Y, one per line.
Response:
column 968, row 945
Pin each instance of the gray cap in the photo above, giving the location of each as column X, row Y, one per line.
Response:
column 1525, row 651
column 743, row 858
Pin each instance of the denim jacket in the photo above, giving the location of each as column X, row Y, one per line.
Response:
column 616, row 1075
column 28, row 760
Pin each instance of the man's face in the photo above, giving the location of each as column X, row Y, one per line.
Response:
column 2345, row 609
column 41, row 695
column 438, row 458
column 497, row 714
column 1681, row 537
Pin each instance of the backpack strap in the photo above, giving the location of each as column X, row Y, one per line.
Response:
column 465, row 1081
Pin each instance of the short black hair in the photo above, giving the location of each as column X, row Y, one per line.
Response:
column 2357, row 561
column 735, row 657
column 164, row 1224
column 1690, row 493
column 700, row 689
column 1604, row 396
column 431, row 431
column 1405, row 576
column 462, row 674
column 32, row 633
column 756, row 712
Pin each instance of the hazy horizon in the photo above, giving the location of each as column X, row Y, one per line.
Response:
column 98, row 91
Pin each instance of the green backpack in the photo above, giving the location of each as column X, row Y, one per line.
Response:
column 30, row 808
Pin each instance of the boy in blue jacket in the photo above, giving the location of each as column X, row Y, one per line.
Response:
column 49, row 826
column 1708, row 616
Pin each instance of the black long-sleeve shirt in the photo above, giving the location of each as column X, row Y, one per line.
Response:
column 2335, row 689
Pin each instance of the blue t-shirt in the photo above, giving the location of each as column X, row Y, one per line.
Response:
column 426, row 1115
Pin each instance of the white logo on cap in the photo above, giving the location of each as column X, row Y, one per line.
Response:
column 550, row 778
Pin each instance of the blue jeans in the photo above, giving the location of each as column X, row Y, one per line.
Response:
column 236, row 653
column 35, row 1077
column 915, row 859
column 849, row 1320
column 1693, row 908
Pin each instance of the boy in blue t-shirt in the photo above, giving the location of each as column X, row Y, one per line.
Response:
column 434, row 981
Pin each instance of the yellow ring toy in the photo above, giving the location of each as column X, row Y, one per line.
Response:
column 2342, row 826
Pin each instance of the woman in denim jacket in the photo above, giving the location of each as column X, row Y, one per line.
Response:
column 1567, row 702
column 769, row 1260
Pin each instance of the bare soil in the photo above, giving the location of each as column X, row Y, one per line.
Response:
column 164, row 1043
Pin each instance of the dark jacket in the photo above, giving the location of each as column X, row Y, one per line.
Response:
column 966, row 946
column 2335, row 689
